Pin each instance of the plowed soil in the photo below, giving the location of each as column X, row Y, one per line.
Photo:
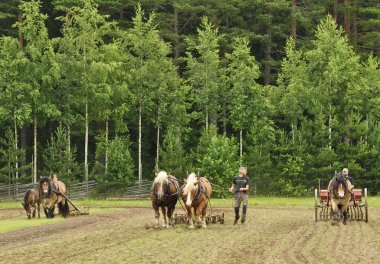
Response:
column 270, row 235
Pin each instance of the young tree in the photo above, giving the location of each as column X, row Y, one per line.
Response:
column 245, row 98
column 203, row 70
column 84, row 31
column 153, row 75
column 216, row 157
column 15, row 106
column 43, row 71
column 58, row 158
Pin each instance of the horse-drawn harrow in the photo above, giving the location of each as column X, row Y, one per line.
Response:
column 210, row 218
column 75, row 211
column 357, row 210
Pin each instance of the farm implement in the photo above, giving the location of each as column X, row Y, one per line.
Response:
column 210, row 218
column 75, row 211
column 357, row 210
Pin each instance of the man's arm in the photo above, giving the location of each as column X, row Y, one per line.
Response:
column 231, row 189
column 246, row 188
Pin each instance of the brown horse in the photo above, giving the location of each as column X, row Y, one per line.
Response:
column 196, row 194
column 340, row 190
column 51, row 194
column 164, row 194
column 31, row 203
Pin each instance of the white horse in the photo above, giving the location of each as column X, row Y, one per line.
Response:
column 196, row 194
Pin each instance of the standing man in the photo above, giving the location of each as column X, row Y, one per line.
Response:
column 241, row 185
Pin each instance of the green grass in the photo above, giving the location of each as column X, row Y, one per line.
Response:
column 22, row 222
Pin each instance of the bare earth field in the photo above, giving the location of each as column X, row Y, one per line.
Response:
column 273, row 234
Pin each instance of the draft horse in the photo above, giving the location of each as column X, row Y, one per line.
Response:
column 50, row 192
column 340, row 190
column 31, row 203
column 196, row 194
column 164, row 195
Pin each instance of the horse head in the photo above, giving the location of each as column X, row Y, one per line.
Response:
column 340, row 187
column 190, row 188
column 45, row 187
column 160, row 185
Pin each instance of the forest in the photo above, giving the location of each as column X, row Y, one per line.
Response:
column 116, row 90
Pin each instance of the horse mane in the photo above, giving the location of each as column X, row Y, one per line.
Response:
column 338, row 179
column 161, row 177
column 48, row 180
column 190, row 183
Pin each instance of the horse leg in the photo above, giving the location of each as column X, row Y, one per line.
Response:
column 34, row 211
column 190, row 216
column 334, row 213
column 38, row 208
column 163, row 209
column 200, row 214
column 204, row 216
column 157, row 217
column 170, row 216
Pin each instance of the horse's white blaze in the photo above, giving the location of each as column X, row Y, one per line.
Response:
column 45, row 191
column 341, row 191
column 188, row 201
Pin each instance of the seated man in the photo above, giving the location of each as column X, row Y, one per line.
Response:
column 346, row 176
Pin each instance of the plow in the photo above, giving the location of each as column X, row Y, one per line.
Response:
column 75, row 211
column 211, row 218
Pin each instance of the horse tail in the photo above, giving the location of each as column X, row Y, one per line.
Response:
column 64, row 208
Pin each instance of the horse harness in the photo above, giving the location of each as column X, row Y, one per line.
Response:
column 200, row 190
column 171, row 180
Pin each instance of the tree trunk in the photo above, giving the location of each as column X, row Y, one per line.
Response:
column 140, row 163
column 86, row 148
column 268, row 58
column 16, row 147
column 158, row 148
column 35, row 148
column 347, row 18
column 206, row 117
column 176, row 36
column 347, row 138
column 293, row 132
column 354, row 32
column 23, row 145
column 294, row 21
column 106, row 151
column 20, row 38
column 69, row 151
column 335, row 11
column 224, row 118
column 241, row 146
column 330, row 131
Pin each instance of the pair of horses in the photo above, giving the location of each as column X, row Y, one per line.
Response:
column 340, row 189
column 165, row 193
column 49, row 193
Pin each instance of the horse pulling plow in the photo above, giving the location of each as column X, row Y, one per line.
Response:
column 356, row 210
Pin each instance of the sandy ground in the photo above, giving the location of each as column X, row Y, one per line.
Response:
column 270, row 235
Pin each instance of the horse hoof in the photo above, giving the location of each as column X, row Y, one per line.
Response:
column 191, row 227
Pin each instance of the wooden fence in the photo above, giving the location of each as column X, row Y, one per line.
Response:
column 9, row 192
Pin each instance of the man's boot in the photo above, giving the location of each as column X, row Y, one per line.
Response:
column 236, row 215
column 244, row 214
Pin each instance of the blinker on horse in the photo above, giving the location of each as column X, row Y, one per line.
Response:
column 164, row 195
column 196, row 195
column 50, row 192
